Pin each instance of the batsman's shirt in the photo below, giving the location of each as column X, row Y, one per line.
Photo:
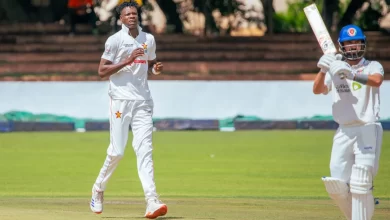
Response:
column 130, row 83
column 353, row 102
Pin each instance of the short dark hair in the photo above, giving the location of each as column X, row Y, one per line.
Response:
column 125, row 4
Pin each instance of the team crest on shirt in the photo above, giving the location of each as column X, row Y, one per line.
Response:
column 145, row 46
column 118, row 114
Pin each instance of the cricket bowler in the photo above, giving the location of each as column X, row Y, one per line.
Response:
column 354, row 84
column 130, row 54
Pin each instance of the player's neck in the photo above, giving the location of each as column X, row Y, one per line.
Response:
column 133, row 32
column 353, row 62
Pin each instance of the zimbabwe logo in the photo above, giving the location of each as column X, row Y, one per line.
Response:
column 145, row 46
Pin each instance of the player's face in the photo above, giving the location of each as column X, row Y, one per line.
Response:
column 129, row 17
column 353, row 50
column 353, row 45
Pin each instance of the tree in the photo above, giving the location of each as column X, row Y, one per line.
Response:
column 269, row 12
column 169, row 8
column 328, row 9
column 206, row 7
column 349, row 14
column 369, row 19
column 226, row 7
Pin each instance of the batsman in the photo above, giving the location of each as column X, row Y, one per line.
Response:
column 354, row 83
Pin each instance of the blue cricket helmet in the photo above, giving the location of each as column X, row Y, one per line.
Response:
column 350, row 33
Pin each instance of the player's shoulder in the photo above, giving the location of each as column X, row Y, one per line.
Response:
column 113, row 41
column 114, row 36
column 373, row 63
column 370, row 62
column 148, row 36
column 374, row 66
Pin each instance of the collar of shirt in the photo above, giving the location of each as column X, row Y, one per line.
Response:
column 361, row 63
column 358, row 68
column 126, row 29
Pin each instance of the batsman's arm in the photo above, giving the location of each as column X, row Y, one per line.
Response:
column 319, row 86
column 374, row 80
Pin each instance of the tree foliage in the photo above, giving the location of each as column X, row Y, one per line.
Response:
column 345, row 12
column 226, row 7
column 293, row 20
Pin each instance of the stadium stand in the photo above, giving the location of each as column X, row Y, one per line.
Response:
column 46, row 52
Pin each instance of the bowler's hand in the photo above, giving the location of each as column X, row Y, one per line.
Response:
column 158, row 68
column 136, row 53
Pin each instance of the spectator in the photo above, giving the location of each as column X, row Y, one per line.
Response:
column 81, row 11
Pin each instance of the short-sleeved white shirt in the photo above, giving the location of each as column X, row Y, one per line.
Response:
column 130, row 82
column 353, row 102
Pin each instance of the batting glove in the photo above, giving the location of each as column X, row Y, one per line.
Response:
column 342, row 69
column 326, row 60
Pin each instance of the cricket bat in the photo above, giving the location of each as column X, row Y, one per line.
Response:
column 319, row 29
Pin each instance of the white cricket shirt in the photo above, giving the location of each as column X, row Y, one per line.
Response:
column 353, row 102
column 130, row 83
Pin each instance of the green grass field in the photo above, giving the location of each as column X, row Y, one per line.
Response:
column 200, row 175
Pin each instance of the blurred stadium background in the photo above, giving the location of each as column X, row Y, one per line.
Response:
column 230, row 65
column 231, row 60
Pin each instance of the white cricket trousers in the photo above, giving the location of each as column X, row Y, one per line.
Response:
column 138, row 115
column 360, row 145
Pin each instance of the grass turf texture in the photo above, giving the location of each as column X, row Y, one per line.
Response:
column 200, row 175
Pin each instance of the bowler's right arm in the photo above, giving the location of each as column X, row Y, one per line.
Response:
column 106, row 65
column 107, row 68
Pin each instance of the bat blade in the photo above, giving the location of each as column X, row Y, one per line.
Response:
column 320, row 31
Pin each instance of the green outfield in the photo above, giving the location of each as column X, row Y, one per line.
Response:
column 200, row 175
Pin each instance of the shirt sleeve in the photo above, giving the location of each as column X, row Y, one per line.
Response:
column 110, row 49
column 376, row 67
column 328, row 82
column 152, row 50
